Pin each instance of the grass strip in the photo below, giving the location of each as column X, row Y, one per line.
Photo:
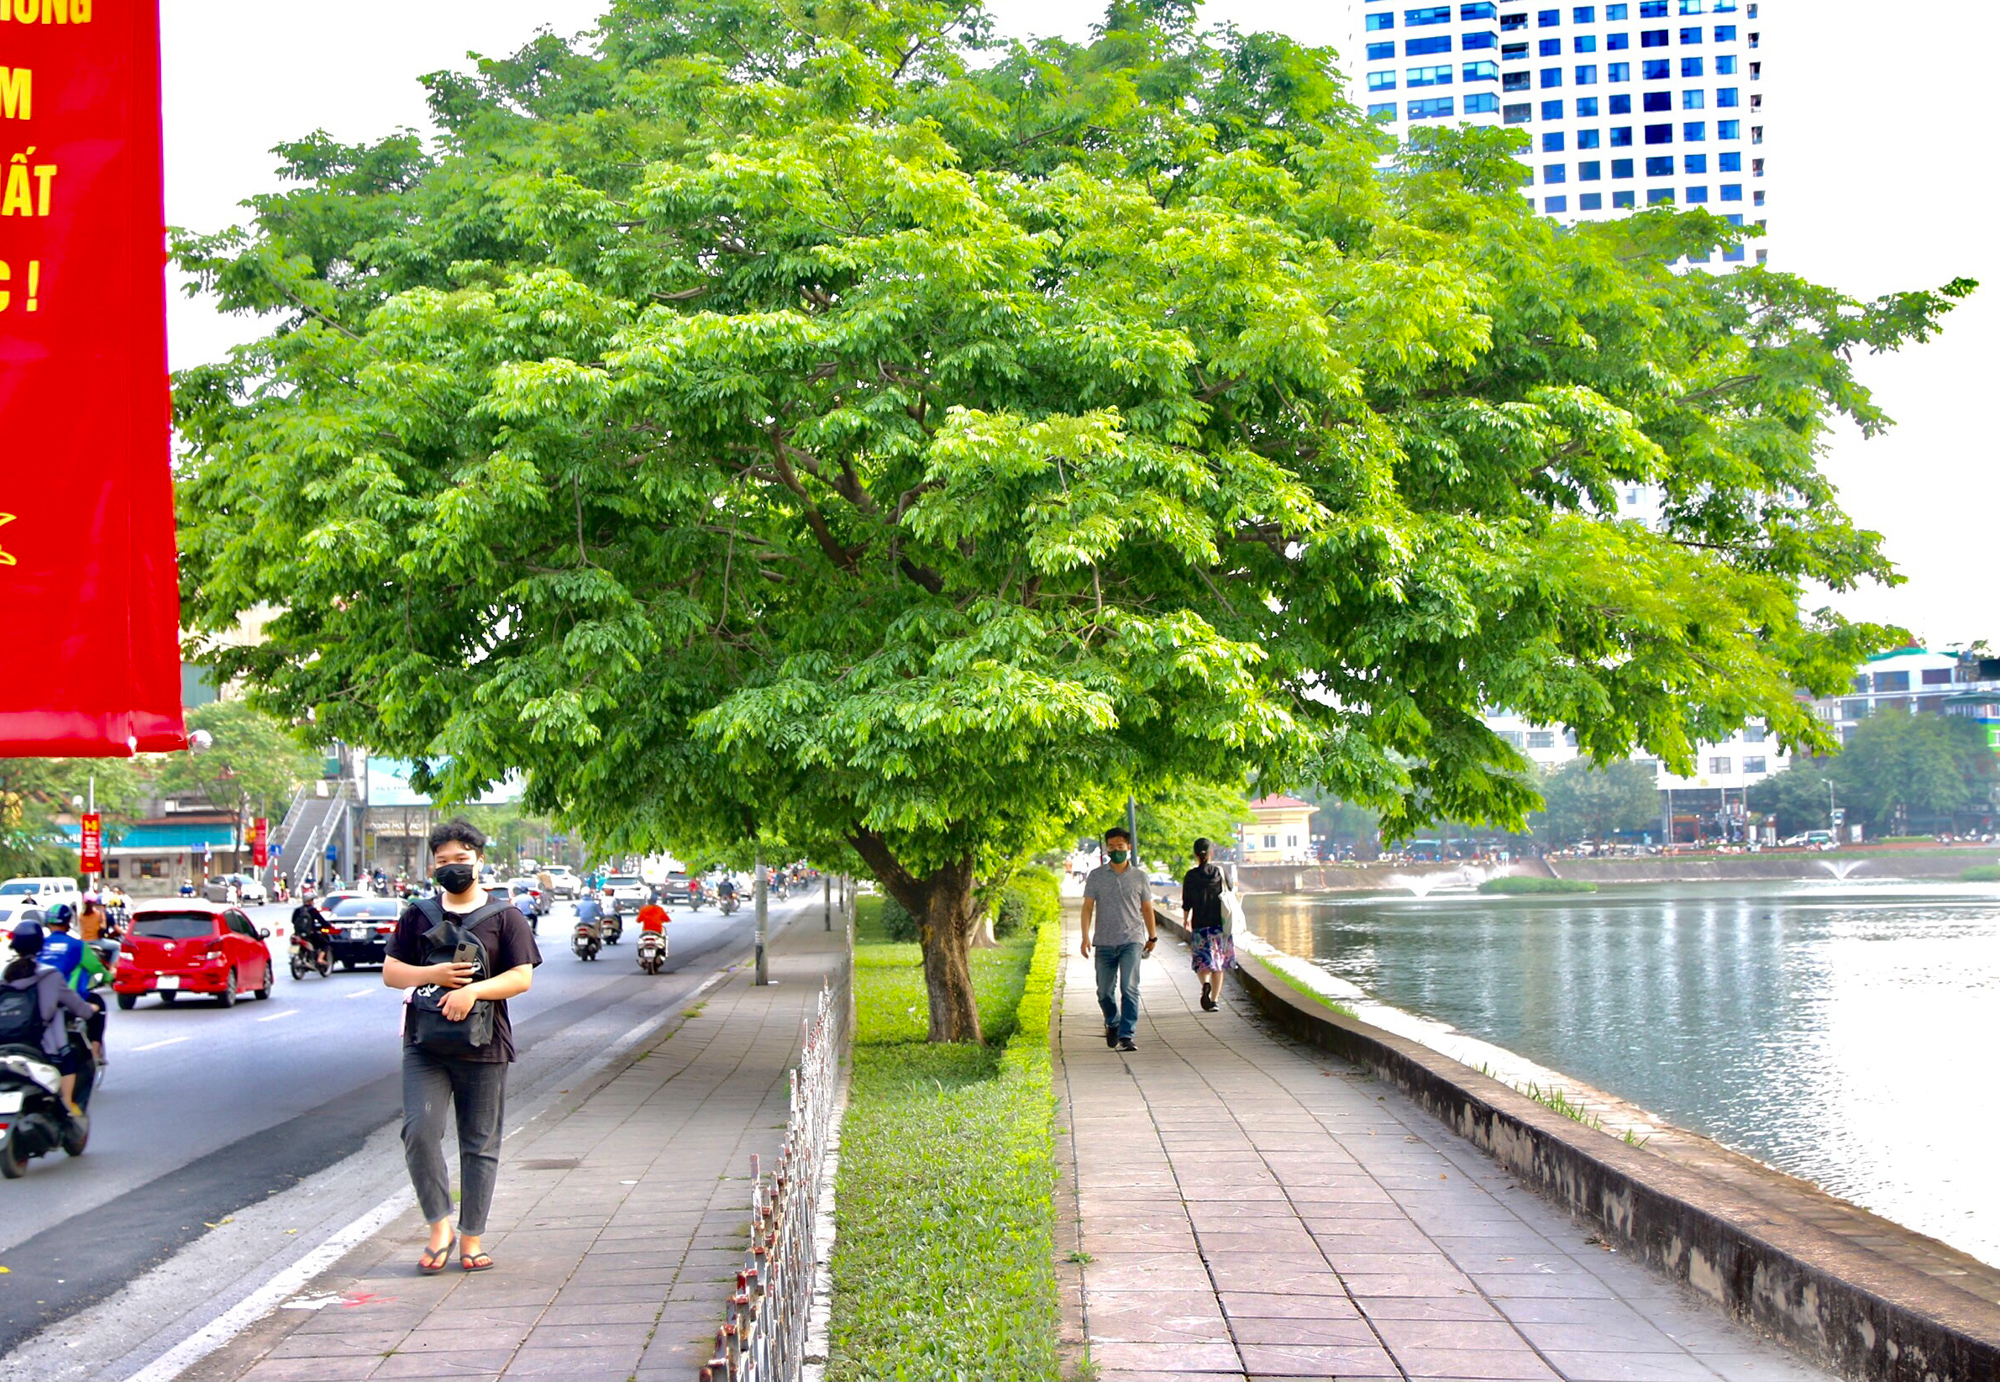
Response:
column 944, row 1267
column 1981, row 873
column 1527, row 885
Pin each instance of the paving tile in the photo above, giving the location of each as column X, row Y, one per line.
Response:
column 486, row 1362
column 1174, row 1358
column 1630, row 1367
column 1518, row 1364
column 1246, row 1305
column 576, row 1362
column 1167, row 1271
column 312, row 1369
column 1348, row 1329
column 1489, row 1333
column 1318, row 1360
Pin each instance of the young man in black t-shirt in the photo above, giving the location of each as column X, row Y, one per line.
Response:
column 475, row 1084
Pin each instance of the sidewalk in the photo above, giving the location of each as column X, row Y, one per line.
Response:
column 1254, row 1208
column 618, row 1226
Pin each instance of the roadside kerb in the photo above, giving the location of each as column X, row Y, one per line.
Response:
column 1824, row 1296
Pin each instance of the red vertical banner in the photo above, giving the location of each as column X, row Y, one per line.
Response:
column 88, row 586
column 92, row 861
column 260, row 842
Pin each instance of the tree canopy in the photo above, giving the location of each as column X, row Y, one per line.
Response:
column 1899, row 769
column 1583, row 800
column 834, row 424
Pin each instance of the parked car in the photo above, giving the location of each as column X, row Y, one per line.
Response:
column 360, row 929
column 192, row 946
column 249, row 891
column 35, row 894
column 673, row 890
column 566, row 884
column 628, row 891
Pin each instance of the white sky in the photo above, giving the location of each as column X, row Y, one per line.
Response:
column 1876, row 185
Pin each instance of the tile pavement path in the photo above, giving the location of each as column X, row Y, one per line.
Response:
column 1256, row 1209
column 618, row 1228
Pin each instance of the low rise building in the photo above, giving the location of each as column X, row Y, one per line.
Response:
column 1281, row 834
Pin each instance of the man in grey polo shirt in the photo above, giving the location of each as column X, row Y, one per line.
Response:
column 1116, row 899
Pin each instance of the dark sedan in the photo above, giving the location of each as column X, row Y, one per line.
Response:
column 360, row 928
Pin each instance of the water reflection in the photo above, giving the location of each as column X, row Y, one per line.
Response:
column 1838, row 1031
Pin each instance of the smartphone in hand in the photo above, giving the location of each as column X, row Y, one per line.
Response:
column 467, row 954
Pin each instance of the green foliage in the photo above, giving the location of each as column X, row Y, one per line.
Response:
column 1032, row 899
column 1901, row 768
column 253, row 767
column 1523, row 885
column 819, row 423
column 895, row 920
column 34, row 791
column 1797, row 797
column 1172, row 817
column 1981, row 873
column 1583, row 801
column 944, row 1266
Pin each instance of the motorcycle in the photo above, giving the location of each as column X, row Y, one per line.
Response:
column 314, row 953
column 614, row 927
column 696, row 896
column 652, row 952
column 585, row 941
column 728, row 902
column 34, row 1120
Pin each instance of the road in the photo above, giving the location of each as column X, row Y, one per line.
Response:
column 205, row 1111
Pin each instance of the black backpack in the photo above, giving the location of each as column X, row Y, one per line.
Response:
column 429, row 1027
column 21, row 1022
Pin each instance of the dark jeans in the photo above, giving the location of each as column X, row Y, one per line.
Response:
column 477, row 1092
column 1118, row 985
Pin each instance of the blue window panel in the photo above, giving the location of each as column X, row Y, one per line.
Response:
column 1695, row 99
column 1725, row 96
column 1517, row 114
column 1382, row 52
column 1583, row 14
column 1587, row 139
column 1592, row 171
column 1662, row 167
column 1653, row 38
column 1690, row 6
column 1690, row 67
column 1381, row 81
column 1485, row 103
column 1618, row 43
column 1586, row 74
column 1436, row 108
column 1620, row 200
column 1621, row 137
column 1516, row 81
column 1590, row 201
column 1618, row 72
column 1694, row 131
column 1621, row 168
column 1691, row 35
column 1652, row 9
column 1612, row 12
column 1379, row 22
column 1586, row 44
column 1548, row 19
column 1481, row 71
column 1384, row 111
column 1425, row 47
column 1429, row 14
column 1552, row 143
column 1549, row 48
column 1656, row 69
column 1586, row 107
column 1552, row 110
column 1725, row 64
column 1481, row 9
column 1659, row 134
column 1484, row 40
column 1735, row 218
column 1553, row 173
column 1555, row 206
column 1734, row 254
column 1659, row 100
column 1430, row 76
column 1511, row 22
column 1728, row 129
column 1697, row 196
column 1729, row 163
column 1659, row 196
column 1725, row 33
column 1732, row 191
column 1551, row 77
column 1695, row 163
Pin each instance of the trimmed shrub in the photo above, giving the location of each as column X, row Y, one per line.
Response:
column 897, row 923
column 1519, row 885
column 1982, row 873
column 1031, row 899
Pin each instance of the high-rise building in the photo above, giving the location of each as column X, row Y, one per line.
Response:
column 1626, row 105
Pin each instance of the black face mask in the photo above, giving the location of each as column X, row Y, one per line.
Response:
column 454, row 878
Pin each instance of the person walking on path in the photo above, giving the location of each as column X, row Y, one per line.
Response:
column 444, row 1062
column 1201, row 904
column 1116, row 898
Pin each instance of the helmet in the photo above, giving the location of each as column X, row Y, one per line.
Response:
column 28, row 938
column 62, row 914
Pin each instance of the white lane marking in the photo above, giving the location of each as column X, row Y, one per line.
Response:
column 156, row 1045
column 273, row 1017
column 360, row 993
column 267, row 1297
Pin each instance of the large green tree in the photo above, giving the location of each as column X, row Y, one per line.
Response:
column 769, row 422
column 1797, row 797
column 1582, row 800
column 1899, row 770
column 252, row 765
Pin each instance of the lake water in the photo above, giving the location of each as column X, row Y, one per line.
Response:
column 1843, row 1032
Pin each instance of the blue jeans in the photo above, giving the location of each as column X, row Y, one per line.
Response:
column 1118, row 986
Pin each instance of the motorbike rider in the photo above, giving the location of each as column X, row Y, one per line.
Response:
column 76, row 962
column 56, row 997
column 309, row 926
column 589, row 911
column 726, row 889
column 653, row 917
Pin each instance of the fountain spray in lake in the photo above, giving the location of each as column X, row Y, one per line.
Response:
column 1842, row 869
column 1464, row 879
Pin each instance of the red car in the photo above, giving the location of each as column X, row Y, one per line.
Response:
column 192, row 946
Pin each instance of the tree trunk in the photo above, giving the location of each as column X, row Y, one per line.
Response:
column 944, row 905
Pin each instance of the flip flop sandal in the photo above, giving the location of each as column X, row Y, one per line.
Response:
column 431, row 1263
column 478, row 1262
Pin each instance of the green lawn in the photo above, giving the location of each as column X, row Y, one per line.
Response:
column 944, row 1267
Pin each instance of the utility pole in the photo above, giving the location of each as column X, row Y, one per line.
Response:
column 1132, row 825
column 826, row 898
column 763, row 918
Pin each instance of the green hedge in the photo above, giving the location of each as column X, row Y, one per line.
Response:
column 1520, row 885
column 1982, row 873
column 944, row 1265
column 1031, row 900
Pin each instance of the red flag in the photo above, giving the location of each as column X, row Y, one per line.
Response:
column 92, row 860
column 260, row 842
column 88, row 584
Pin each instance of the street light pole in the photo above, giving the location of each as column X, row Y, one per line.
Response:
column 763, row 918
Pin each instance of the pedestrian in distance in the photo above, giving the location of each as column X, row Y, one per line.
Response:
column 462, row 954
column 1118, row 909
column 1201, row 904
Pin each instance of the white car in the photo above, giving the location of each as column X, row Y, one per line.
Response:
column 249, row 891
column 566, row 883
column 628, row 891
column 36, row 894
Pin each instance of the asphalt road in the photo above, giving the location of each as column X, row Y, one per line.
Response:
column 205, row 1111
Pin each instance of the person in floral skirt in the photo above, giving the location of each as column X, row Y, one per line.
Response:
column 1201, row 905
